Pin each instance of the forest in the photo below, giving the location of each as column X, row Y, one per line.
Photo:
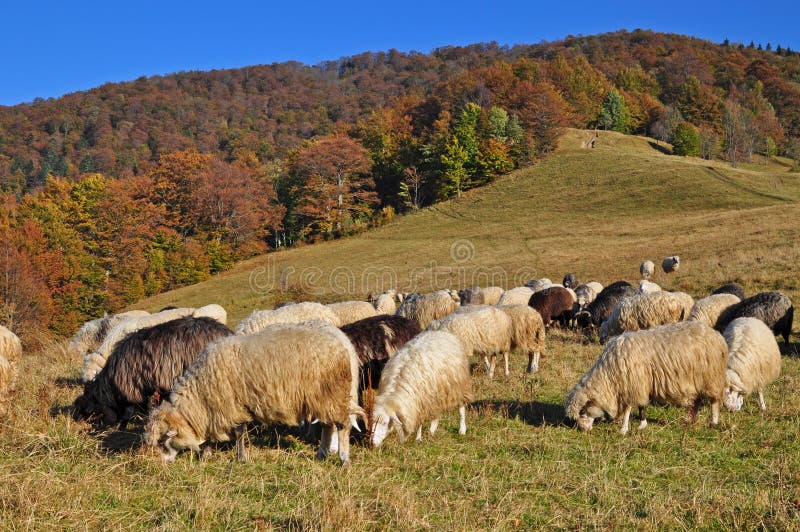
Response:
column 131, row 189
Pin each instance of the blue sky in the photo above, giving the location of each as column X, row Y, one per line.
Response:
column 50, row 48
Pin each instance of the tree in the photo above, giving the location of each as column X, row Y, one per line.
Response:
column 709, row 143
column 686, row 140
column 663, row 128
column 614, row 114
column 411, row 188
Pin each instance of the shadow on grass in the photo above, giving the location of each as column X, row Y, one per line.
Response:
column 69, row 382
column 121, row 441
column 61, row 410
column 659, row 147
column 534, row 413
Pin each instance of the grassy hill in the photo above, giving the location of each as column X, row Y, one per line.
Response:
column 598, row 212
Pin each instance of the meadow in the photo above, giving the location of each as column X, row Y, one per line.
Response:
column 595, row 212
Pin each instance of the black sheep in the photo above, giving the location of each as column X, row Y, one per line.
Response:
column 600, row 309
column 773, row 308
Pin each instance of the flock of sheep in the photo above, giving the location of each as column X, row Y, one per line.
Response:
column 309, row 363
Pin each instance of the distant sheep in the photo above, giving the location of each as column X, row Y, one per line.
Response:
column 643, row 311
column 91, row 334
column 730, row 288
column 570, row 281
column 286, row 374
column 476, row 295
column 385, row 304
column 754, row 361
column 708, row 309
column 681, row 364
column 145, row 363
column 773, row 308
column 427, row 377
column 554, row 303
column 424, row 308
column 376, row 339
column 647, row 269
column 600, row 309
column 485, row 333
column 671, row 264
column 258, row 320
column 351, row 311
column 539, row 284
column 648, row 286
column 516, row 296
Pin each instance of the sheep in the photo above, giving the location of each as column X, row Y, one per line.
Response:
column 350, row 311
column 385, row 304
column 773, row 308
column 375, row 340
column 594, row 285
column 754, row 361
column 584, row 295
column 681, row 364
column 484, row 333
column 569, row 281
column 94, row 362
column 476, row 295
column 708, row 309
column 671, row 264
column 686, row 300
column 516, row 296
column 424, row 308
column 600, row 309
column 647, row 269
column 10, row 345
column 91, row 334
column 287, row 373
column 10, row 353
column 539, row 284
column 426, row 377
column 643, row 311
column 145, row 363
column 554, row 303
column 258, row 320
column 730, row 288
column 648, row 286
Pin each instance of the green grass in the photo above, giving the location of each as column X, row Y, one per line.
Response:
column 595, row 212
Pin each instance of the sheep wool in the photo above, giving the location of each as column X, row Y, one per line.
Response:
column 754, row 361
column 10, row 345
column 773, row 308
column 385, row 304
column 258, row 320
column 647, row 269
column 476, row 295
column 680, row 364
column 648, row 286
column 424, row 308
column 350, row 311
column 527, row 334
column 643, row 311
column 730, row 288
column 425, row 378
column 91, row 334
column 516, row 296
column 708, row 309
column 7, row 377
column 286, row 374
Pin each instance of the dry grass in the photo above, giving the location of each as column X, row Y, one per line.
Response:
column 597, row 213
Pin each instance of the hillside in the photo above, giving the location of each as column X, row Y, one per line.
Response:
column 596, row 212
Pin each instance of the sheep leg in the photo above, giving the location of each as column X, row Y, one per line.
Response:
column 626, row 417
column 462, row 419
column 761, row 402
column 343, row 436
column 492, row 366
column 434, row 426
column 333, row 443
column 714, row 412
column 505, row 360
column 324, row 441
column 486, row 362
column 643, row 423
column 240, row 431
column 533, row 362
column 691, row 412
column 419, row 433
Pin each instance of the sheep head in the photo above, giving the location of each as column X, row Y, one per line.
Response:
column 169, row 432
column 383, row 423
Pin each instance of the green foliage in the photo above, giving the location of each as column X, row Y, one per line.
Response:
column 453, row 159
column 615, row 115
column 686, row 140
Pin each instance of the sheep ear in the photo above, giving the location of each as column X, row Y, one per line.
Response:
column 396, row 421
column 171, row 433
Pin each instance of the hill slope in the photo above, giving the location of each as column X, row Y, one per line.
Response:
column 597, row 212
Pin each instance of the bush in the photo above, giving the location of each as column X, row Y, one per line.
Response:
column 686, row 140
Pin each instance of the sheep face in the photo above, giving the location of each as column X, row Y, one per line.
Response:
column 733, row 400
column 587, row 416
column 170, row 434
column 383, row 425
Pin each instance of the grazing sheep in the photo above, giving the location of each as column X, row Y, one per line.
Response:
column 91, row 334
column 730, row 288
column 94, row 362
column 385, row 304
column 539, row 284
column 708, row 309
column 376, row 339
column 286, row 374
column 146, row 362
column 643, row 311
column 516, row 296
column 600, row 309
column 424, row 308
column 681, row 364
column 258, row 320
column 754, row 361
column 476, row 295
column 351, row 311
column 584, row 295
column 647, row 269
column 686, row 300
column 10, row 345
column 554, row 303
column 671, row 264
column 648, row 286
column 427, row 377
column 484, row 333
column 569, row 281
column 773, row 308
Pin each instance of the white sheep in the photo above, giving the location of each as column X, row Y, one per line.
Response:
column 680, row 364
column 477, row 295
column 424, row 308
column 648, row 286
column 288, row 373
column 10, row 353
column 754, row 361
column 486, row 333
column 258, row 320
column 91, row 334
column 538, row 285
column 516, row 296
column 351, row 311
column 385, row 304
column 10, row 345
column 527, row 334
column 708, row 309
column 644, row 311
column 426, row 377
column 647, row 269
column 671, row 264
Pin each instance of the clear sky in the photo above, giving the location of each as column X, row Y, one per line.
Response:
column 49, row 48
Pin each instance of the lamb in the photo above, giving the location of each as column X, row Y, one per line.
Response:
column 258, row 320
column 754, row 361
column 476, row 295
column 145, row 363
column 91, row 334
column 773, row 308
column 286, row 374
column 424, row 308
column 427, row 377
column 351, row 311
column 375, row 340
column 708, row 309
column 647, row 269
column 730, row 288
column 648, row 286
column 516, row 296
column 385, row 304
column 671, row 264
column 484, row 333
column 681, row 364
column 554, row 303
column 10, row 353
column 643, row 311
column 569, row 281
column 600, row 309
